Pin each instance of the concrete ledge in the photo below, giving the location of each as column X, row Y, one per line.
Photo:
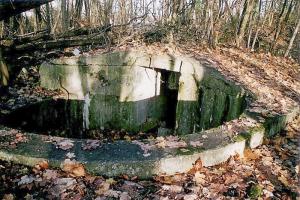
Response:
column 122, row 157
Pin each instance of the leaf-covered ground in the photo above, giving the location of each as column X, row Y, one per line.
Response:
column 268, row 172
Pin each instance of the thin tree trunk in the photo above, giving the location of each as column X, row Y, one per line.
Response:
column 257, row 25
column 4, row 75
column 37, row 19
column 210, row 29
column 64, row 14
column 250, row 31
column 292, row 39
column 78, row 9
column 248, row 7
column 87, row 10
column 48, row 18
column 279, row 26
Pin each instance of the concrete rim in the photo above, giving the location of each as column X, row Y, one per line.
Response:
column 122, row 157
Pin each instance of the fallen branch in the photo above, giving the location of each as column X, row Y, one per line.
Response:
column 10, row 8
column 61, row 43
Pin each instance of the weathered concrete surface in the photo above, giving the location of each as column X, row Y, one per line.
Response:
column 113, row 159
column 121, row 97
column 124, row 89
column 122, row 157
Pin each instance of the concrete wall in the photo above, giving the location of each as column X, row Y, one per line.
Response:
column 123, row 90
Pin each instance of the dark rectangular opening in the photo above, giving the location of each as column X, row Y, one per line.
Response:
column 169, row 89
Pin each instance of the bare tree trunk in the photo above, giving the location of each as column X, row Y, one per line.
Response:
column 210, row 28
column 292, row 39
column 64, row 23
column 4, row 75
column 279, row 26
column 248, row 7
column 287, row 16
column 78, row 9
column 37, row 19
column 257, row 25
column 206, row 18
column 271, row 12
column 87, row 10
column 48, row 18
column 250, row 31
column 123, row 15
column 22, row 24
column 108, row 10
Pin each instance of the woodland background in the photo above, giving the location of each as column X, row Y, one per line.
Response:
column 259, row 25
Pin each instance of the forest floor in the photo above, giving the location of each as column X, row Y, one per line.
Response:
column 268, row 172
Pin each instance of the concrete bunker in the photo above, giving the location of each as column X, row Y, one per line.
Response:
column 133, row 91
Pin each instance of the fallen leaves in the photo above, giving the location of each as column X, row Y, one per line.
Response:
column 8, row 197
column 144, row 146
column 236, row 178
column 19, row 137
column 25, row 180
column 284, row 180
column 178, row 178
column 50, row 174
column 160, row 142
column 125, row 196
column 196, row 143
column 73, row 168
column 62, row 185
column 91, row 145
column 70, row 155
column 173, row 188
column 250, row 155
column 170, row 142
column 42, row 165
column 64, row 144
column 199, row 178
column 103, row 188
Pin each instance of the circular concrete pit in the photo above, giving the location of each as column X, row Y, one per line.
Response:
column 136, row 92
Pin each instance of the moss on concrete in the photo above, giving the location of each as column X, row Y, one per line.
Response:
column 274, row 124
column 206, row 106
column 218, row 109
column 113, row 80
column 187, row 117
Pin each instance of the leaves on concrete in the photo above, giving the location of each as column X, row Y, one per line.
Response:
column 170, row 142
column 144, row 146
column 64, row 144
column 91, row 145
column 196, row 143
